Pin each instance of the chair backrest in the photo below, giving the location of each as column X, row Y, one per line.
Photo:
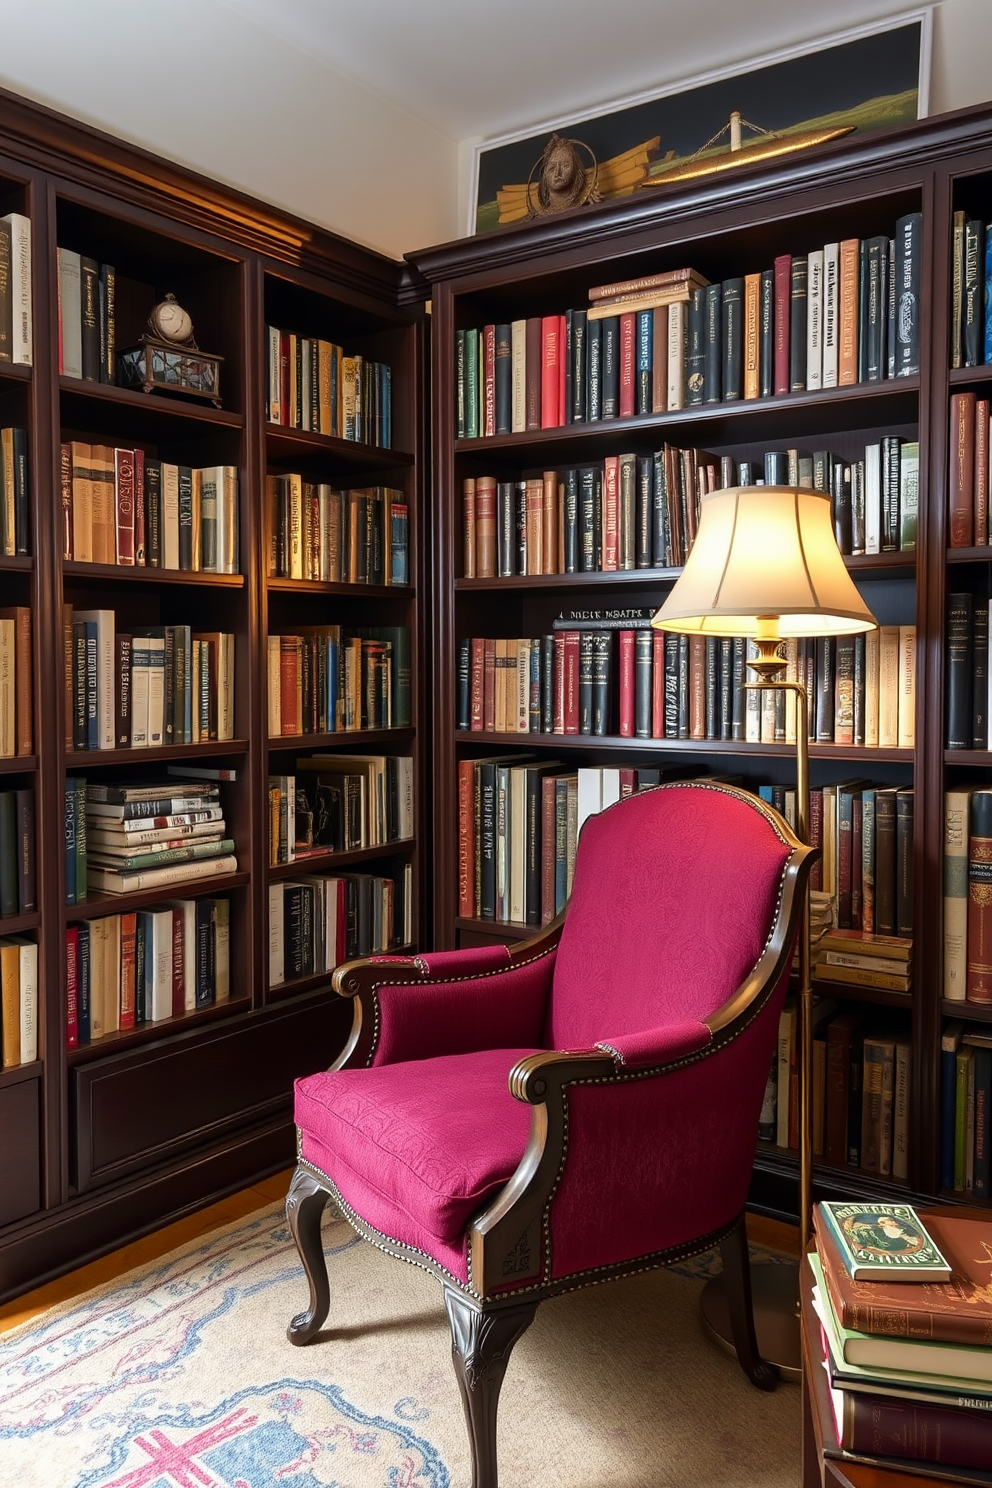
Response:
column 674, row 895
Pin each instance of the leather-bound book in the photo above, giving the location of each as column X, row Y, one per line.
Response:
column 980, row 674
column 550, row 353
column 752, row 336
column 695, row 365
column 611, row 368
column 973, row 293
column 979, row 985
column 732, row 339
column 533, row 366
column 885, row 861
column 594, row 370
column 798, row 290
column 959, row 674
column 847, row 348
column 981, row 533
column 488, row 381
column 578, row 411
column 485, row 526
column 503, row 379
column 713, row 344
column 904, row 862
column 782, row 338
column 659, row 359
column 840, row 1032
column 627, row 397
column 961, row 474
column 766, row 334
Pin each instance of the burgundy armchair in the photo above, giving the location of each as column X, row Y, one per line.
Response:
column 523, row 1121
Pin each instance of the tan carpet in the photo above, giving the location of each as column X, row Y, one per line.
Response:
column 180, row 1376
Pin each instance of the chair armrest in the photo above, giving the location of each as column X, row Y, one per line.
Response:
column 659, row 1045
column 447, row 1002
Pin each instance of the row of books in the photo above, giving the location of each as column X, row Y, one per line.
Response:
column 126, row 970
column 312, row 385
column 966, row 683
column 318, row 922
column 967, row 902
column 122, row 839
column 147, row 687
column 861, row 1089
column 16, row 672
column 15, row 493
column 865, row 836
column 966, row 1099
column 672, row 340
column 87, row 317
column 16, row 326
column 592, row 677
column 121, row 506
column 904, row 1340
column 18, row 1001
column 359, row 536
column 642, row 511
column 971, row 303
column 332, row 679
column 18, row 874
column 340, row 803
column 968, row 477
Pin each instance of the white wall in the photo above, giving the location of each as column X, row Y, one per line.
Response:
column 961, row 67
column 240, row 105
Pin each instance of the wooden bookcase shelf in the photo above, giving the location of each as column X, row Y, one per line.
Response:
column 234, row 265
column 732, row 226
column 329, row 862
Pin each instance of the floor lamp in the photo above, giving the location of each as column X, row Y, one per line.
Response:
column 764, row 564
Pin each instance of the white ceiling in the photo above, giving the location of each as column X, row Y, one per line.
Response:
column 486, row 67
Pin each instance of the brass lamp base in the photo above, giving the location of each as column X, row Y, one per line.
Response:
column 775, row 1299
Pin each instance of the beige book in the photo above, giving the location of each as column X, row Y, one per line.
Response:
column 791, row 675
column 518, row 843
column 677, row 326
column 98, row 1014
column 10, row 1003
column 112, row 973
column 222, row 949
column 225, row 696
column 7, row 492
column 518, row 376
column 294, row 497
column 786, row 1043
column 956, row 806
column 828, row 845
column 28, row 997
column 522, row 719
column 325, row 413
column 871, row 688
column 906, row 723
column 8, row 690
column 104, row 504
column 752, row 702
column 752, row 333
column 170, row 515
column 82, row 503
column 499, row 707
column 888, row 686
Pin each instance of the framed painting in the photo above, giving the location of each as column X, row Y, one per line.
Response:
column 867, row 78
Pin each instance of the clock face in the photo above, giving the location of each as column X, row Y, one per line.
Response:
column 171, row 321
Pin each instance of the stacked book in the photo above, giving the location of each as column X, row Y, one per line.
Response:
column 905, row 1319
column 318, row 532
column 146, row 836
column 341, row 803
column 331, row 679
column 966, row 1100
column 15, row 500
column 18, row 1001
column 317, row 922
column 864, row 959
column 313, row 386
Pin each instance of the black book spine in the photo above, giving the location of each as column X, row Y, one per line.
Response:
column 875, row 249
column 547, row 683
column 644, row 511
column 860, row 690
column 904, row 863
column 570, row 513
column 611, row 367
column 643, row 669
column 826, row 649
column 671, row 686
column 973, row 293
column 8, row 853
column 487, row 841
column 464, row 681
column 594, row 370
column 587, row 518
column 733, row 292
column 884, row 285
column 797, row 323
column 185, row 517
column 22, row 495
column 695, row 363
column 891, row 300
column 153, row 513
column 891, row 469
column 979, row 675
column 766, row 334
column 712, row 684
column 89, row 298
column 959, row 709
column 108, row 323
column 776, row 468
column 597, row 519
column 713, row 345
column 738, row 695
column 909, row 234
column 520, row 524
column 725, row 710
column 204, row 989
column 27, row 889
column 601, row 658
column 858, row 507
column 660, row 537
column 585, row 682
column 79, row 684
column 580, row 366
column 644, row 352
column 841, row 503
column 505, row 545
column 863, row 310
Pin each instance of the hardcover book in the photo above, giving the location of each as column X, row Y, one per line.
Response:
column 882, row 1240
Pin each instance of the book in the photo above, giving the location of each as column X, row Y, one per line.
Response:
column 883, row 1240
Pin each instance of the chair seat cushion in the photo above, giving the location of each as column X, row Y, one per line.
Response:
column 418, row 1148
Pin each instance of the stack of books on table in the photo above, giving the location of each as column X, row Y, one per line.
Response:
column 146, row 836
column 905, row 1310
column 864, row 960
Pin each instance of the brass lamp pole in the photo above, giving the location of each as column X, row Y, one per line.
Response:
column 765, row 564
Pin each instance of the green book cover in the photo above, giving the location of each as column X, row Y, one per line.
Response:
column 472, row 430
column 883, row 1240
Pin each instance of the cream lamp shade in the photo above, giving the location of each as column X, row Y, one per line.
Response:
column 765, row 563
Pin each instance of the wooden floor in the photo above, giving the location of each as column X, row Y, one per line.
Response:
column 761, row 1231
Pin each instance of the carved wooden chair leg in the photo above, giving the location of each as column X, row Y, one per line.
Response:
column 481, row 1343
column 737, row 1288
column 304, row 1207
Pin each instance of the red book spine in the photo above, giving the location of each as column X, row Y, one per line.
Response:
column 550, row 327
column 476, row 684
column 466, row 837
column 489, row 380
column 782, row 298
column 816, row 836
column 876, row 1425
column 611, row 514
column 489, row 686
column 468, row 528
column 626, row 684
column 836, row 1092
column 179, row 963
column 124, row 484
column 71, row 987
column 533, row 366
column 571, row 682
column 547, row 849
column 139, row 507
column 627, row 379
column 128, row 931
column 658, row 685
column 288, row 673
column 961, row 476
column 559, row 682
column 485, row 527
column 982, row 473
column 628, row 782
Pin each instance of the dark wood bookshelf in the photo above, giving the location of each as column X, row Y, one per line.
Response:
column 853, row 992
column 317, row 587
column 963, row 375
column 328, row 862
column 223, row 255
column 661, row 747
column 975, row 1012
column 359, row 741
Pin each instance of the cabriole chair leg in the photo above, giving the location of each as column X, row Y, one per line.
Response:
column 481, row 1343
column 304, row 1206
column 737, row 1287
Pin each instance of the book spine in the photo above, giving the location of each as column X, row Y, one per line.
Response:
column 732, row 339
column 798, row 297
column 782, row 296
column 958, row 680
column 961, row 476
column 979, row 979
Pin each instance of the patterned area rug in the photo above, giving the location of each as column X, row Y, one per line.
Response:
column 179, row 1375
